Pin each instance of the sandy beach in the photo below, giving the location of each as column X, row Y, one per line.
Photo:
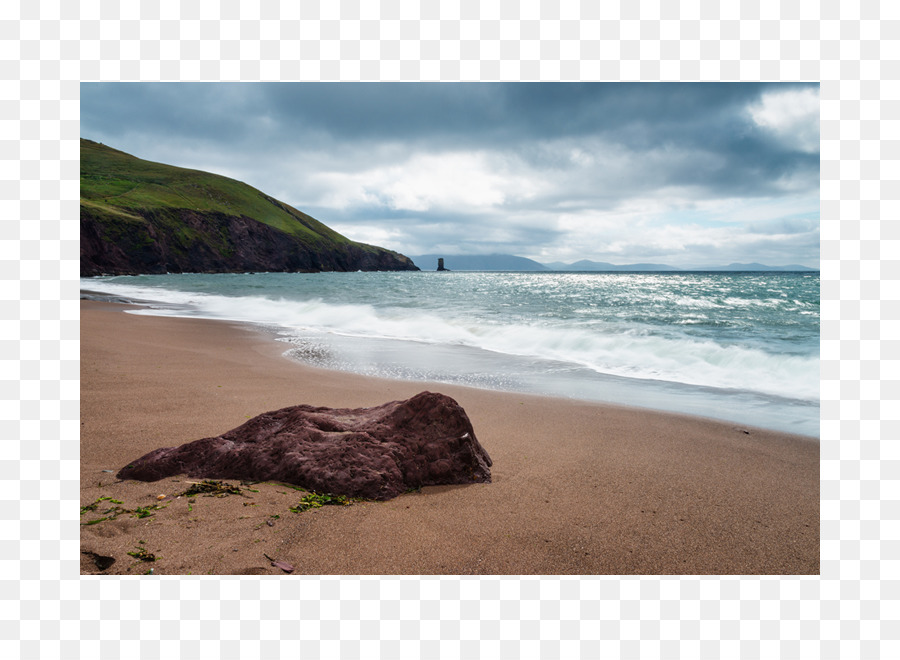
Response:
column 578, row 488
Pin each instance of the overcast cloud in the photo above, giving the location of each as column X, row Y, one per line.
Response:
column 687, row 174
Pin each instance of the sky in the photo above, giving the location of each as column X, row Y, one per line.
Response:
column 685, row 174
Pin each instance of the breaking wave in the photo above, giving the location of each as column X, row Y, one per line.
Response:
column 613, row 348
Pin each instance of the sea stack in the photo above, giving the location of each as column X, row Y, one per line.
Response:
column 441, row 264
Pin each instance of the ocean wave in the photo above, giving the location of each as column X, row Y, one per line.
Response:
column 617, row 349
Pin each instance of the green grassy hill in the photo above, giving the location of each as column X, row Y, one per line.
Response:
column 143, row 217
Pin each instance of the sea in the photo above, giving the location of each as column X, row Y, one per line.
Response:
column 736, row 346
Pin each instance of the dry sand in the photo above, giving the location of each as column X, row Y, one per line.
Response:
column 578, row 488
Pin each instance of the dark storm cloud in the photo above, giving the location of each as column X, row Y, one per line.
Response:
column 639, row 115
column 510, row 158
column 704, row 128
column 168, row 110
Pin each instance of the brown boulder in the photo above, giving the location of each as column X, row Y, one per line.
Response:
column 376, row 453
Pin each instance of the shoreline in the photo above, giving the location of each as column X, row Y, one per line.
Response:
column 740, row 407
column 578, row 487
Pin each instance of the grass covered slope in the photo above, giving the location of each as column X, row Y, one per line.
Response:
column 143, row 217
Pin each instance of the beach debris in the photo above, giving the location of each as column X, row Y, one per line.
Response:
column 114, row 511
column 146, row 511
column 283, row 565
column 93, row 505
column 160, row 497
column 318, row 500
column 211, row 488
column 143, row 555
column 372, row 453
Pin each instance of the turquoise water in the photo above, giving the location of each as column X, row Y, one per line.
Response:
column 737, row 346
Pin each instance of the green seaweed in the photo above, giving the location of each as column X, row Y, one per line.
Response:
column 147, row 511
column 143, row 555
column 93, row 505
column 212, row 488
column 116, row 510
column 314, row 500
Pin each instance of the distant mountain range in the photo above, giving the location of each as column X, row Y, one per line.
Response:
column 584, row 264
column 508, row 262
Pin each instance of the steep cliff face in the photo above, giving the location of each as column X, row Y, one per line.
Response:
column 143, row 217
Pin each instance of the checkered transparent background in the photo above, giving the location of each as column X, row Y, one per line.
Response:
column 47, row 610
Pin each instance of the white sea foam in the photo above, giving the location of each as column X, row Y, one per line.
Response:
column 606, row 348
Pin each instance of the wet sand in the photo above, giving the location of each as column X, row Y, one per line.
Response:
column 578, row 488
